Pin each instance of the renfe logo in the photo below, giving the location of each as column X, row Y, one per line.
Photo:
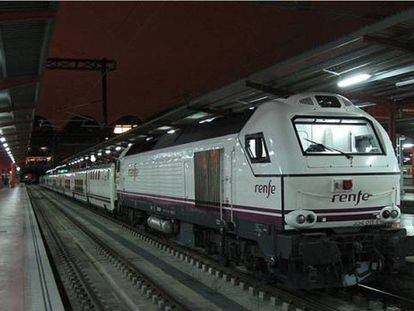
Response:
column 351, row 197
column 267, row 189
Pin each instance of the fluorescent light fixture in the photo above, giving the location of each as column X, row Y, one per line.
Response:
column 93, row 158
column 107, row 151
column 404, row 83
column 7, row 148
column 252, row 107
column 99, row 153
column 122, row 128
column 5, row 145
column 2, row 139
column 86, row 158
column 408, row 145
column 207, row 120
column 258, row 99
column 355, row 79
column 148, row 138
column 130, row 144
column 118, row 148
column 164, row 128
column 172, row 131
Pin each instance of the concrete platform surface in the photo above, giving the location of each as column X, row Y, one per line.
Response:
column 26, row 278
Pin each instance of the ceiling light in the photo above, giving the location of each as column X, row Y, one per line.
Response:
column 93, row 158
column 122, row 128
column 164, row 128
column 99, row 153
column 107, row 151
column 355, row 79
column 404, row 83
column 5, row 145
column 2, row 139
column 148, row 138
column 86, row 158
column 118, row 148
column 207, row 120
column 172, row 131
column 408, row 145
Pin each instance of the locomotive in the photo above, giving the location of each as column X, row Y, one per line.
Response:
column 305, row 189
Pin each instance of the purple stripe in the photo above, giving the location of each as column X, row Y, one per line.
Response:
column 162, row 198
column 249, row 213
column 158, row 200
column 239, row 214
column 100, row 198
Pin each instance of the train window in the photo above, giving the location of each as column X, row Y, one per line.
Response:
column 255, row 145
column 306, row 101
column 328, row 101
column 333, row 136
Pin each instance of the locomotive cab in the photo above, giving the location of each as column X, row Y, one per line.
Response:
column 337, row 192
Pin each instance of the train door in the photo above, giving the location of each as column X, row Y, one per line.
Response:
column 208, row 181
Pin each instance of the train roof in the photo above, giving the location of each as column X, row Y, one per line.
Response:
column 219, row 126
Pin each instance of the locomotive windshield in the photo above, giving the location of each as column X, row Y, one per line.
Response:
column 334, row 136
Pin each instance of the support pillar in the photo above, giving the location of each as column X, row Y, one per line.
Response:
column 392, row 124
column 104, row 71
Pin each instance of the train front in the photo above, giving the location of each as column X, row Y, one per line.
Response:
column 341, row 197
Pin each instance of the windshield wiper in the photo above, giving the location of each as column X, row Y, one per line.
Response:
column 348, row 156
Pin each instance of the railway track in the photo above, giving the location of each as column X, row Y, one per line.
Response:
column 79, row 289
column 82, row 284
column 263, row 296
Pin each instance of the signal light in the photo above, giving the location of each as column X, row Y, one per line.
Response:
column 347, row 184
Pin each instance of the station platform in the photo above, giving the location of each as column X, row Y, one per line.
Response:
column 26, row 278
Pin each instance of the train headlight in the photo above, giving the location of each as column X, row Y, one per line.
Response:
column 394, row 213
column 390, row 214
column 386, row 214
column 301, row 218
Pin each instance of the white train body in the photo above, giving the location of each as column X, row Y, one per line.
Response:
column 94, row 186
column 296, row 178
column 306, row 181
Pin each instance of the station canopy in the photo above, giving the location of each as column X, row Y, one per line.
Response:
column 383, row 52
column 25, row 33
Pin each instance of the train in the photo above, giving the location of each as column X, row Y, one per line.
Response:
column 304, row 190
